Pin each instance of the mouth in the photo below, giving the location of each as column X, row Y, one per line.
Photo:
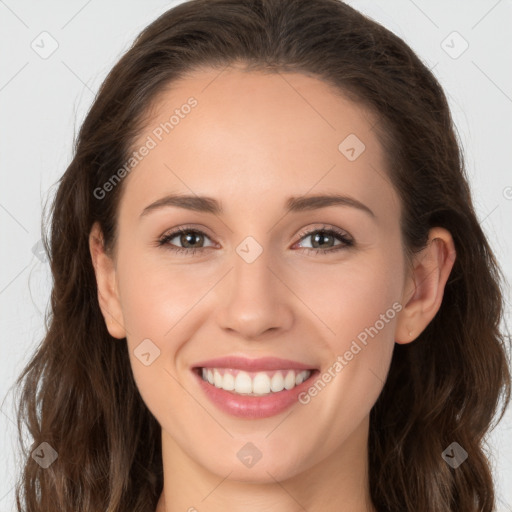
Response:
column 253, row 388
column 255, row 383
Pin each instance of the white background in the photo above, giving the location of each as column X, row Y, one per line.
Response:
column 43, row 102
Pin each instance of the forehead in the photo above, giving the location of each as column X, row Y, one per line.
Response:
column 256, row 135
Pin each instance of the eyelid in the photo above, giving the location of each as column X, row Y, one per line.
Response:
column 323, row 227
column 174, row 232
column 319, row 226
column 187, row 227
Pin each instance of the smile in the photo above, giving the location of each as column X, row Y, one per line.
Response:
column 254, row 383
column 253, row 395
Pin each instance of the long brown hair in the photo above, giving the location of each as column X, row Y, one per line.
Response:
column 78, row 394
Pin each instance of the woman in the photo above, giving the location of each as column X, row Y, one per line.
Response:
column 200, row 356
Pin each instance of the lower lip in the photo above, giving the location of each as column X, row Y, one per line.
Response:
column 253, row 407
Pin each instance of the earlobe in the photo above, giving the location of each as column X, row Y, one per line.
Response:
column 108, row 297
column 425, row 287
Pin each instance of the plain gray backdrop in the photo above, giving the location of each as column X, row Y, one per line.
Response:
column 56, row 54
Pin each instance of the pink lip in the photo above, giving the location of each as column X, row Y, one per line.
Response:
column 254, row 407
column 253, row 365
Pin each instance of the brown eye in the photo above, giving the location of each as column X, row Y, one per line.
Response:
column 323, row 240
column 190, row 239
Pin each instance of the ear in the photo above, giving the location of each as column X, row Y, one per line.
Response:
column 108, row 295
column 424, row 288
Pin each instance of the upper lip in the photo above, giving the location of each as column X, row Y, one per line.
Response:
column 254, row 365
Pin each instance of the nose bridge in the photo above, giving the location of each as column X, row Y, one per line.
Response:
column 251, row 268
column 255, row 301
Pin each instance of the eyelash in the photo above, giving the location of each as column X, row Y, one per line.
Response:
column 347, row 242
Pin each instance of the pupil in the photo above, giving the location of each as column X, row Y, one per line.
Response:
column 187, row 237
column 321, row 236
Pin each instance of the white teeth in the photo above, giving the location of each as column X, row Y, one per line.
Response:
column 217, row 379
column 277, row 383
column 243, row 383
column 299, row 379
column 228, row 382
column 289, row 381
column 260, row 384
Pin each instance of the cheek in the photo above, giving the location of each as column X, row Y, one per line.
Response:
column 150, row 302
column 359, row 303
column 346, row 299
column 154, row 299
column 154, row 296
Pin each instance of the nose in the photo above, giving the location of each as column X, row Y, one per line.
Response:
column 255, row 299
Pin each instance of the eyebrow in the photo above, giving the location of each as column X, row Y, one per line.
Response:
column 293, row 204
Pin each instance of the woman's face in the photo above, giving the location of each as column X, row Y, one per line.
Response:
column 250, row 279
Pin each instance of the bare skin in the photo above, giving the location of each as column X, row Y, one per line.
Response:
column 252, row 141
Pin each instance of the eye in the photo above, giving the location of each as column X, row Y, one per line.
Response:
column 324, row 236
column 187, row 236
column 191, row 239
